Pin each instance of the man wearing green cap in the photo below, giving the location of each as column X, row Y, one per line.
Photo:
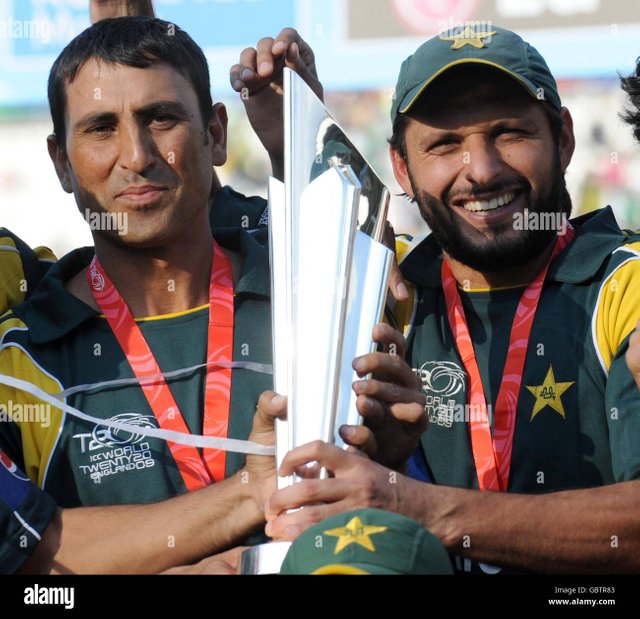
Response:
column 518, row 324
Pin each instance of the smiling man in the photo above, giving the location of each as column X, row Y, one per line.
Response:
column 517, row 331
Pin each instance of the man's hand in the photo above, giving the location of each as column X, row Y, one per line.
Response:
column 258, row 79
column 633, row 354
column 101, row 9
column 260, row 471
column 391, row 402
column 223, row 563
column 357, row 482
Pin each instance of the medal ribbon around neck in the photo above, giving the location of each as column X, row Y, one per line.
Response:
column 492, row 455
column 197, row 471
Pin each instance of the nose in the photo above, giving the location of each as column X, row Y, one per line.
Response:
column 484, row 161
column 136, row 148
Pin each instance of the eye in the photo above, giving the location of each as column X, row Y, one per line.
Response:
column 100, row 130
column 443, row 146
column 511, row 131
column 164, row 121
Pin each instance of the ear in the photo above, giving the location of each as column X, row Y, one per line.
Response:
column 567, row 143
column 60, row 163
column 218, row 133
column 400, row 171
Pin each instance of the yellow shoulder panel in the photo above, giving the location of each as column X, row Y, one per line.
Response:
column 44, row 253
column 403, row 245
column 12, row 283
column 618, row 308
column 39, row 422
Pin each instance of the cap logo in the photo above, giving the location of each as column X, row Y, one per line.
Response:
column 355, row 533
column 470, row 37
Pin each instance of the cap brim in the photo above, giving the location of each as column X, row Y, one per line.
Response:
column 415, row 93
column 352, row 569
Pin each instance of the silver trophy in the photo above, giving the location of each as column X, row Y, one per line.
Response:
column 329, row 278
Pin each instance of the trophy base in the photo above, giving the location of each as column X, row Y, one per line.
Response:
column 264, row 558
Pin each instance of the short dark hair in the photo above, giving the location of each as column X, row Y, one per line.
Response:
column 631, row 85
column 131, row 41
column 398, row 137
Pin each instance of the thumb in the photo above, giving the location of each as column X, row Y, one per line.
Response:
column 271, row 406
column 397, row 284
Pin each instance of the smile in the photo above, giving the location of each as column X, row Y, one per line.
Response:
column 476, row 206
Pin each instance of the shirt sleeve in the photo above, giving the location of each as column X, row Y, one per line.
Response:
column 25, row 512
column 618, row 312
column 21, row 268
column 622, row 399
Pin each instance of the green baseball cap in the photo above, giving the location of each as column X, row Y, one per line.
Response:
column 491, row 46
column 367, row 541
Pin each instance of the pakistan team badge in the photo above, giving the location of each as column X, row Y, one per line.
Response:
column 474, row 38
column 549, row 394
column 355, row 533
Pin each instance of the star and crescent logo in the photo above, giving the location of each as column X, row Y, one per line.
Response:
column 355, row 533
column 549, row 394
column 471, row 37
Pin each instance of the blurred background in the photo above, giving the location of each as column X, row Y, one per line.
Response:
column 359, row 46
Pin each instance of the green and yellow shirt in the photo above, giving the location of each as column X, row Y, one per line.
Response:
column 56, row 342
column 578, row 414
column 26, row 510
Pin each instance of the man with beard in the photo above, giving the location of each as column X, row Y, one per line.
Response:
column 518, row 329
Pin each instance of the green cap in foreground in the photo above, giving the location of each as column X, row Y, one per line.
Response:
column 367, row 541
column 491, row 46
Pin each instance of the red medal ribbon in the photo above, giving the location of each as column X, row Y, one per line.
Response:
column 492, row 455
column 197, row 471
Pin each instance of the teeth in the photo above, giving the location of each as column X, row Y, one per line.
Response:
column 476, row 206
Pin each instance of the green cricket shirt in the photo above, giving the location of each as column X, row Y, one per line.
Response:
column 578, row 412
column 55, row 341
column 25, row 510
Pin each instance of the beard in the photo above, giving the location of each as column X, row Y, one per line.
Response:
column 491, row 250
